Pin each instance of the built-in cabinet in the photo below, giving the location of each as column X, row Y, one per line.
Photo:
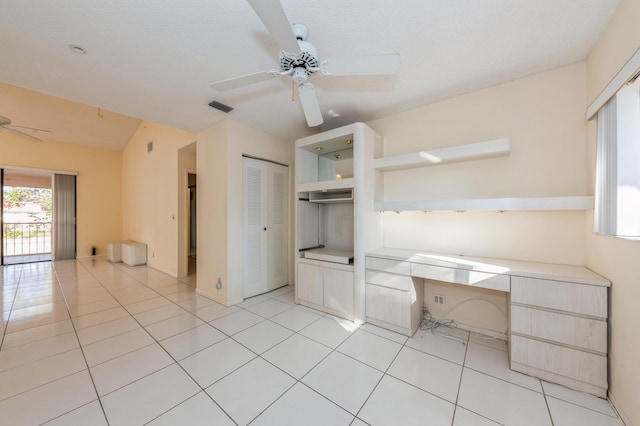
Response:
column 327, row 286
column 394, row 297
column 557, row 319
column 557, row 313
column 336, row 190
column 559, row 332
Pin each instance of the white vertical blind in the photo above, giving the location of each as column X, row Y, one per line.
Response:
column 606, row 170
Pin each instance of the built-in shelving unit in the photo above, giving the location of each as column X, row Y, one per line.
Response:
column 336, row 223
column 474, row 151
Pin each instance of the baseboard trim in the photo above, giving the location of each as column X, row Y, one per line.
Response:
column 170, row 273
column 616, row 407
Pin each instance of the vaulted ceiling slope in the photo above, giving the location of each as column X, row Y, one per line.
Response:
column 64, row 120
column 154, row 60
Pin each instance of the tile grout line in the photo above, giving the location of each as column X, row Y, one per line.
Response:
column 191, row 311
column 104, row 413
column 384, row 373
column 296, row 380
column 175, row 362
column 464, row 361
column 46, row 383
column 15, row 295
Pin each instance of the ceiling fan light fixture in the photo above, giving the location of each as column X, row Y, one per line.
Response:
column 78, row 49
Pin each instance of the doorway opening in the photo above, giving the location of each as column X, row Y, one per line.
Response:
column 192, row 246
column 27, row 207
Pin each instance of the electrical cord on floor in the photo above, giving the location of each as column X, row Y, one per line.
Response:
column 431, row 323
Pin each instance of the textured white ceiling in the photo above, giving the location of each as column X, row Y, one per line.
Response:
column 154, row 60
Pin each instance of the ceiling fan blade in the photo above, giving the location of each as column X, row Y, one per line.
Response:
column 274, row 19
column 362, row 65
column 21, row 134
column 245, row 80
column 310, row 105
column 49, row 133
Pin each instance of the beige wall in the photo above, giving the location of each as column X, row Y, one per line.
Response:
column 151, row 213
column 616, row 258
column 98, row 184
column 212, row 211
column 220, row 150
column 543, row 117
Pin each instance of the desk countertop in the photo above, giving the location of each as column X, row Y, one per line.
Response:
column 549, row 271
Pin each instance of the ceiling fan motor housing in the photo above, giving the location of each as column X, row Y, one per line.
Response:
column 309, row 59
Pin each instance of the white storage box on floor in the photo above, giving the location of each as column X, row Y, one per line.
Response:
column 114, row 251
column 134, row 254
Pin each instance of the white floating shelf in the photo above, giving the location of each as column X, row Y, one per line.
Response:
column 326, row 185
column 453, row 154
column 497, row 204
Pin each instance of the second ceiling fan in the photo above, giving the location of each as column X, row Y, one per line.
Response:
column 299, row 59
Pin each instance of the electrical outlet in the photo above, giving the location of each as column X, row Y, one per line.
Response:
column 439, row 299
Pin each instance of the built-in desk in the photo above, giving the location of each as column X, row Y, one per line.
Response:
column 557, row 313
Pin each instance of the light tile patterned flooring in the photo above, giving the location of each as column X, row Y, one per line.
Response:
column 92, row 343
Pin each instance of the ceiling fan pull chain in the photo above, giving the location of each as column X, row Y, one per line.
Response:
column 293, row 91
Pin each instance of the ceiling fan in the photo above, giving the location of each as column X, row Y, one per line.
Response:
column 6, row 126
column 299, row 59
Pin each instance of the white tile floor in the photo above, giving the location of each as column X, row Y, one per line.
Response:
column 91, row 343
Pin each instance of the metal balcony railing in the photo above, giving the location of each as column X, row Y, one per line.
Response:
column 20, row 239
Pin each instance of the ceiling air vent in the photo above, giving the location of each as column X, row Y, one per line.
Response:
column 220, row 106
column 150, row 146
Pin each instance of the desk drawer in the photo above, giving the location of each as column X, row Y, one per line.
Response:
column 461, row 276
column 384, row 279
column 581, row 299
column 388, row 265
column 572, row 363
column 586, row 333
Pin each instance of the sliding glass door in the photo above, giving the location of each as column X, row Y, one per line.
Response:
column 37, row 216
column 26, row 216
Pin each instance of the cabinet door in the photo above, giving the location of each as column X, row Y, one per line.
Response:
column 309, row 284
column 389, row 305
column 338, row 291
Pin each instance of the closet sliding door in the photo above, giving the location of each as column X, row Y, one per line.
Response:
column 265, row 226
column 64, row 217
